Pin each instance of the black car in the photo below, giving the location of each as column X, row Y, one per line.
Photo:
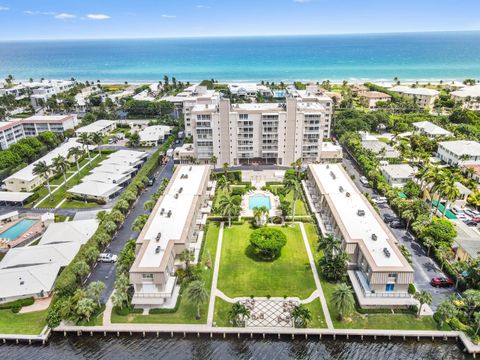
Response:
column 151, row 181
column 470, row 223
column 389, row 218
column 396, row 224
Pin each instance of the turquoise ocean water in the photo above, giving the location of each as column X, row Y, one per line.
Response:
column 425, row 56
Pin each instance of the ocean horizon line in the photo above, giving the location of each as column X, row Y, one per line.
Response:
column 247, row 36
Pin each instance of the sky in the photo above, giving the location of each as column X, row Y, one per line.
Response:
column 103, row 19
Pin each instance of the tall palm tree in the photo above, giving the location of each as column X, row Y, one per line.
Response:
column 60, row 164
column 96, row 138
column 301, row 315
column 329, row 244
column 259, row 215
column 238, row 313
column 342, row 300
column 223, row 183
column 450, row 189
column 408, row 215
column 474, row 199
column 85, row 139
column 187, row 256
column 197, row 294
column 229, row 205
column 423, row 297
column 43, row 170
column 293, row 185
column 75, row 152
column 213, row 160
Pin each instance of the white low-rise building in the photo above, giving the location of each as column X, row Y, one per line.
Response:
column 154, row 135
column 430, row 130
column 249, row 90
column 459, row 151
column 469, row 96
column 25, row 180
column 371, row 98
column 397, row 175
column 101, row 127
column 425, row 98
column 378, row 271
column 176, row 223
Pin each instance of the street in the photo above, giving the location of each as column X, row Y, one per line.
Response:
column 424, row 267
column 106, row 271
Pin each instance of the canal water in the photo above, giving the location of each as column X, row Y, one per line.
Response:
column 131, row 348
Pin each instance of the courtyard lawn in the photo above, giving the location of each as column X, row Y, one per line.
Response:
column 186, row 311
column 241, row 275
column 383, row 321
column 29, row 324
column 61, row 193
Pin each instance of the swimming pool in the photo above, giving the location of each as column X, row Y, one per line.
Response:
column 259, row 201
column 18, row 229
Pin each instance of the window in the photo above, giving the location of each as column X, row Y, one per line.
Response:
column 147, row 276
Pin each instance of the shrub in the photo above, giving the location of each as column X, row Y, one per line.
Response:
column 17, row 304
column 268, row 242
column 412, row 289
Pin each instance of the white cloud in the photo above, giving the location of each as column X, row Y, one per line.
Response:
column 30, row 12
column 202, row 7
column 302, row 1
column 4, row 8
column 98, row 16
column 168, row 16
column 64, row 16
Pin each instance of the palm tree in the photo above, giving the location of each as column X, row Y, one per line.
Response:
column 238, row 313
column 429, row 242
column 213, row 160
column 329, row 244
column 446, row 310
column 197, row 294
column 408, row 215
column 474, row 199
column 60, row 164
column 423, row 297
column 43, row 170
column 223, row 183
column 259, row 215
column 342, row 300
column 187, row 256
column 450, row 189
column 293, row 185
column 96, row 138
column 301, row 315
column 76, row 153
column 85, row 139
column 229, row 205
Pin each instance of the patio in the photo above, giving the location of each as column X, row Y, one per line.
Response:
column 270, row 312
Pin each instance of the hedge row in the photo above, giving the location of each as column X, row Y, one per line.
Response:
column 232, row 175
column 17, row 303
column 73, row 273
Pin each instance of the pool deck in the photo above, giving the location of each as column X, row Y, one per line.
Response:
column 33, row 231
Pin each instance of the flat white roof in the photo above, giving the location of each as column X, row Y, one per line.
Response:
column 95, row 127
column 462, row 147
column 114, row 168
column 398, row 171
column 358, row 227
column 414, row 91
column 154, row 133
column 128, row 154
column 8, row 196
column 171, row 228
column 431, row 128
column 41, row 118
column 472, row 91
column 69, row 232
column 27, row 281
column 59, row 254
column 93, row 188
column 26, row 173
column 109, row 178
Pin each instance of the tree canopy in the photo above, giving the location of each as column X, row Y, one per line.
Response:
column 268, row 242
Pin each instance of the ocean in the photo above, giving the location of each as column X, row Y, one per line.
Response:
column 409, row 56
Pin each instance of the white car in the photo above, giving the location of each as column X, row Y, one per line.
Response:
column 107, row 258
column 380, row 200
column 364, row 180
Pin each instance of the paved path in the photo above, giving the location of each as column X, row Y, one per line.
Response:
column 63, row 184
column 107, row 314
column 213, row 291
column 323, row 301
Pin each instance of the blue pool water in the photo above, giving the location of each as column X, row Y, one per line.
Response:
column 259, row 201
column 18, row 229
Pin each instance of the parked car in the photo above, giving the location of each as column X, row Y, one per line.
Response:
column 389, row 218
column 470, row 223
column 380, row 200
column 397, row 224
column 442, row 282
column 107, row 258
column 470, row 212
column 476, row 219
column 364, row 180
column 151, row 181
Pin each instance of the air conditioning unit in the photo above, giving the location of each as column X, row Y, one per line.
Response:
column 340, row 189
column 157, row 250
column 361, row 212
column 169, row 213
column 176, row 196
column 386, row 252
column 347, row 194
column 162, row 211
column 180, row 190
column 159, row 236
column 374, row 237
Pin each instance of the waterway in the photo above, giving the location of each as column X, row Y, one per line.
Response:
column 130, row 348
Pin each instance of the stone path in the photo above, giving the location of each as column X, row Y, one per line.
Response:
column 213, row 291
column 107, row 314
column 323, row 301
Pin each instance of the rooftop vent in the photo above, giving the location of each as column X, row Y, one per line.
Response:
column 374, row 237
column 361, row 212
column 176, row 196
column 340, row 189
column 190, row 169
column 157, row 250
column 180, row 190
column 169, row 213
column 332, row 175
column 159, row 236
column 162, row 211
column 328, row 166
column 347, row 194
column 22, row 282
column 386, row 252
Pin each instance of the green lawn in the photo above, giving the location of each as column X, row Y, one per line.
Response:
column 367, row 321
column 30, row 324
column 60, row 194
column 186, row 310
column 241, row 275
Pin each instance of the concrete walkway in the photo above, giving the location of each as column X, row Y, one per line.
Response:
column 323, row 301
column 38, row 305
column 107, row 314
column 63, row 184
column 213, row 291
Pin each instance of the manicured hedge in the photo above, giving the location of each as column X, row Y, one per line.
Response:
column 17, row 303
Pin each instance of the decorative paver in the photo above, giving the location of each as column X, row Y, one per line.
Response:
column 270, row 312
